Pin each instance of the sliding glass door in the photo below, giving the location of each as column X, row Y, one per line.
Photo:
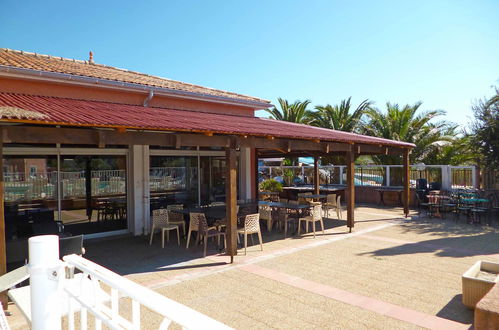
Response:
column 93, row 193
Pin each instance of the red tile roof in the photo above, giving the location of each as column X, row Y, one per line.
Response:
column 33, row 61
column 71, row 112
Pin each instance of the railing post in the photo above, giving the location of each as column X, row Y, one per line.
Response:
column 44, row 268
column 387, row 175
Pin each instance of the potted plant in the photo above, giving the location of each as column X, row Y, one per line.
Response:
column 270, row 185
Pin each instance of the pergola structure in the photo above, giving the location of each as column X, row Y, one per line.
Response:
column 66, row 102
column 50, row 120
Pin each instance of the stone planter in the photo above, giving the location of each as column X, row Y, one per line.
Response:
column 474, row 288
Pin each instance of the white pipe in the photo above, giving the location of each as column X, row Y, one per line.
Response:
column 44, row 269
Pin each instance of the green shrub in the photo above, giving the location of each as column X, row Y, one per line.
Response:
column 271, row 185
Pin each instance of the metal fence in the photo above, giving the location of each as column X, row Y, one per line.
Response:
column 450, row 177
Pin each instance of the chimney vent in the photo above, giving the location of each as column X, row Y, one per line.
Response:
column 91, row 58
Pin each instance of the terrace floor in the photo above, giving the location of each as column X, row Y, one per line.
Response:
column 390, row 272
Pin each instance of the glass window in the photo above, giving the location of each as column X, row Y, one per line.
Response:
column 173, row 180
column 30, row 202
column 212, row 179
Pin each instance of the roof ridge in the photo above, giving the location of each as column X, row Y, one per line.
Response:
column 129, row 71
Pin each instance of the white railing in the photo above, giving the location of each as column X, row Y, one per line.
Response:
column 43, row 185
column 56, row 292
column 451, row 177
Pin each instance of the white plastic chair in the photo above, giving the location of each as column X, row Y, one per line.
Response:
column 313, row 218
column 251, row 226
column 333, row 202
column 160, row 221
column 175, row 218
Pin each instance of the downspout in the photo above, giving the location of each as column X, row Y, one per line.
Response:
column 148, row 98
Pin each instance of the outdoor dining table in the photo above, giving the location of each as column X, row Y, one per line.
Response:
column 435, row 200
column 474, row 203
column 381, row 192
column 212, row 213
column 314, row 197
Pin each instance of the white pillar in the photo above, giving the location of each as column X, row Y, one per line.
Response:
column 245, row 180
column 44, row 269
column 139, row 194
column 341, row 174
column 473, row 178
column 446, row 177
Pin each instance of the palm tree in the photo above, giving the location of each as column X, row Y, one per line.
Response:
column 403, row 124
column 338, row 117
column 296, row 112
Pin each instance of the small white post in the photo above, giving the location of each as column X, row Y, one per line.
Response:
column 388, row 175
column 44, row 267
column 341, row 174
column 473, row 177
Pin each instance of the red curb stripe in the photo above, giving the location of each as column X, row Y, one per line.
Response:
column 367, row 303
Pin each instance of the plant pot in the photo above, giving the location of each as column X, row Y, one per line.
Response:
column 475, row 288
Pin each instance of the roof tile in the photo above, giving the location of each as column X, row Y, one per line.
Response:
column 26, row 60
column 71, row 112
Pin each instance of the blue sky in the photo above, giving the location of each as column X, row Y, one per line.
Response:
column 444, row 53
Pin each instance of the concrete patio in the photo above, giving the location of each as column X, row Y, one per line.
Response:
column 390, row 272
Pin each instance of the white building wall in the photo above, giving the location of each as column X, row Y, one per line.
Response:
column 139, row 195
column 245, row 177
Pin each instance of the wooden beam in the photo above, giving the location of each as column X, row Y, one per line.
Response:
column 350, row 191
column 64, row 135
column 231, row 202
column 102, row 139
column 178, row 141
column 407, row 179
column 316, row 176
column 3, row 248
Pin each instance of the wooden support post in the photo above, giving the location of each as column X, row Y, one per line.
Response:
column 231, row 202
column 316, row 176
column 407, row 179
column 3, row 248
column 350, row 189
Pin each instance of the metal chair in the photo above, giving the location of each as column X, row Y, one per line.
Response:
column 71, row 245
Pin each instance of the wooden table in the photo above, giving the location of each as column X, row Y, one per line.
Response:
column 382, row 191
column 323, row 190
column 313, row 197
